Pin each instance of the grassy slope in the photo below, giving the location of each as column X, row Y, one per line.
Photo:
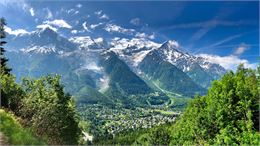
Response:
column 15, row 133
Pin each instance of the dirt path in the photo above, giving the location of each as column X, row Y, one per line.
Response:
column 2, row 140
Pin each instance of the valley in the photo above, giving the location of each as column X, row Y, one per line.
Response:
column 129, row 73
column 105, row 121
column 118, row 85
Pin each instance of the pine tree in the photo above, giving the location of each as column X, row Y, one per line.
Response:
column 4, row 69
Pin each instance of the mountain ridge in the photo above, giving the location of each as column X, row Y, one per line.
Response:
column 82, row 61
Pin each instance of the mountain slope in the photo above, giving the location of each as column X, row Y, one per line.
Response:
column 168, row 77
column 122, row 79
column 184, row 62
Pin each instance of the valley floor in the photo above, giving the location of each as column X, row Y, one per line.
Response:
column 104, row 121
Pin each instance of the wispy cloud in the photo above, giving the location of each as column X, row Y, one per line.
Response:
column 101, row 14
column 98, row 12
column 49, row 13
column 93, row 26
column 135, row 21
column 104, row 16
column 213, row 23
column 118, row 29
column 209, row 25
column 227, row 39
column 72, row 11
column 32, row 11
column 241, row 49
column 222, row 41
column 206, row 26
column 85, row 27
column 144, row 35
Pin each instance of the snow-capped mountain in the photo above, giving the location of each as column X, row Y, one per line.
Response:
column 132, row 51
column 41, row 41
column 88, row 43
column 197, row 68
column 79, row 60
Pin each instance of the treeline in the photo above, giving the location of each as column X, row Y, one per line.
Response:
column 227, row 115
column 41, row 103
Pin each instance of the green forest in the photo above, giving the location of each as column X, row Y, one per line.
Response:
column 37, row 111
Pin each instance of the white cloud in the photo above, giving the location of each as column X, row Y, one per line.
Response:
column 241, row 49
column 79, row 5
column 84, row 25
column 98, row 12
column 135, row 21
column 118, row 29
column 144, row 35
column 93, row 26
column 70, row 11
column 44, row 26
column 59, row 23
column 76, row 12
column 15, row 32
column 228, row 62
column 32, row 12
column 74, row 31
column 104, row 16
column 101, row 15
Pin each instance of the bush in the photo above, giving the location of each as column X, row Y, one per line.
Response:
column 50, row 111
column 15, row 133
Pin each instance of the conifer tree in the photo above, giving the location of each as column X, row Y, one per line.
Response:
column 4, row 68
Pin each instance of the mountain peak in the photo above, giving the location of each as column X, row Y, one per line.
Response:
column 46, row 30
column 170, row 44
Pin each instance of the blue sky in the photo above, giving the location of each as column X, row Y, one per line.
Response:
column 223, row 32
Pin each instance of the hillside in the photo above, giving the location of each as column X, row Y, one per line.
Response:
column 227, row 115
column 13, row 132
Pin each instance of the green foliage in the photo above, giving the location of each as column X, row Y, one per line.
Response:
column 228, row 114
column 124, row 138
column 11, row 92
column 15, row 133
column 50, row 111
